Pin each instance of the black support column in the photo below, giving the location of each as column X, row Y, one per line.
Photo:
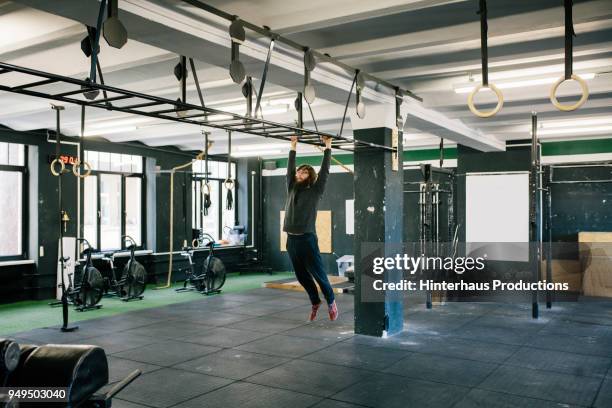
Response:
column 378, row 219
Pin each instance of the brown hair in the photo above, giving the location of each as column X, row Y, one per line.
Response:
column 312, row 174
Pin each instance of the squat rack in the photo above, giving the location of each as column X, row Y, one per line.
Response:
column 166, row 109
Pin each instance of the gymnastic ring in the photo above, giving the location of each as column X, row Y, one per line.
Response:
column 500, row 101
column 62, row 167
column 229, row 184
column 569, row 108
column 77, row 172
column 195, row 243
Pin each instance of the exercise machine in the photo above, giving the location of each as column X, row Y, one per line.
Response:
column 212, row 276
column 436, row 189
column 132, row 283
column 66, row 375
column 86, row 295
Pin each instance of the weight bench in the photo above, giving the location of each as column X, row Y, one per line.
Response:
column 81, row 370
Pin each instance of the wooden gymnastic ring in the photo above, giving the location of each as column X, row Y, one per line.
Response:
column 194, row 243
column 229, row 184
column 500, row 101
column 62, row 167
column 76, row 171
column 569, row 108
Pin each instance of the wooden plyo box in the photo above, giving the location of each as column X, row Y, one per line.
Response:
column 596, row 263
column 324, row 232
column 565, row 270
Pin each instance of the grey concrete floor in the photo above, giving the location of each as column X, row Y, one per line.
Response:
column 254, row 349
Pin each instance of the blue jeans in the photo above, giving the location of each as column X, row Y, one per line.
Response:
column 307, row 264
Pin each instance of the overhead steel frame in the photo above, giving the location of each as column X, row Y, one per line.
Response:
column 166, row 109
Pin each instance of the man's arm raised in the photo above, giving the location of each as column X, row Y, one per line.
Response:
column 291, row 162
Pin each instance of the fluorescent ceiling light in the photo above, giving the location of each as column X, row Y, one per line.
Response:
column 256, row 153
column 574, row 130
column 517, row 84
column 241, row 109
column 104, row 132
column 220, row 117
column 575, row 123
column 106, row 124
column 267, row 146
column 583, row 66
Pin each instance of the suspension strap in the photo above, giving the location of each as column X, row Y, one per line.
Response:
column 229, row 183
column 263, row 77
column 484, row 53
column 348, row 100
column 95, row 47
column 569, row 38
column 197, row 82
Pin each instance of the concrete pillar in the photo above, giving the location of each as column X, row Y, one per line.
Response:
column 378, row 219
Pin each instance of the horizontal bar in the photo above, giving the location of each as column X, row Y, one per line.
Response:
column 37, row 83
column 142, row 105
column 155, row 100
column 78, row 91
column 114, row 98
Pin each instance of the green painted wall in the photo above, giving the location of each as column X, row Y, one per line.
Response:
column 589, row 146
column 347, row 158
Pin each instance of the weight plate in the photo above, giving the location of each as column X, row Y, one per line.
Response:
column 310, row 61
column 237, row 71
column 236, row 31
column 115, row 33
column 361, row 110
column 309, row 93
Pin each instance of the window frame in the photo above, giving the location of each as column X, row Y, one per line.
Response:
column 197, row 212
column 143, row 215
column 25, row 219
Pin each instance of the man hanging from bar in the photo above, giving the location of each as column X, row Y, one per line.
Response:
column 304, row 190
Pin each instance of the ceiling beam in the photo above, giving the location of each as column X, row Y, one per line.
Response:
column 163, row 27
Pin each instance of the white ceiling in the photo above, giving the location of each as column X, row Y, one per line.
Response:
column 428, row 46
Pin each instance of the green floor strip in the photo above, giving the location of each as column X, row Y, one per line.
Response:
column 32, row 314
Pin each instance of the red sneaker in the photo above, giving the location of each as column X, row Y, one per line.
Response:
column 333, row 311
column 313, row 312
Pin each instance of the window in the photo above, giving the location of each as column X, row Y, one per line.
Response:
column 218, row 217
column 13, row 221
column 113, row 200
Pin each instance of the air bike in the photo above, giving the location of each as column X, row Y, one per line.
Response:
column 211, row 277
column 86, row 286
column 132, row 283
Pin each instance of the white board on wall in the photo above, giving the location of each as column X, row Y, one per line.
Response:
column 350, row 217
column 497, row 211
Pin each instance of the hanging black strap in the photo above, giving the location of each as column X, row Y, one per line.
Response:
column 441, row 152
column 183, row 79
column 206, row 195
column 263, row 77
column 197, row 82
column 348, row 100
column 95, row 47
column 569, row 38
column 229, row 203
column 229, row 154
column 484, row 54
